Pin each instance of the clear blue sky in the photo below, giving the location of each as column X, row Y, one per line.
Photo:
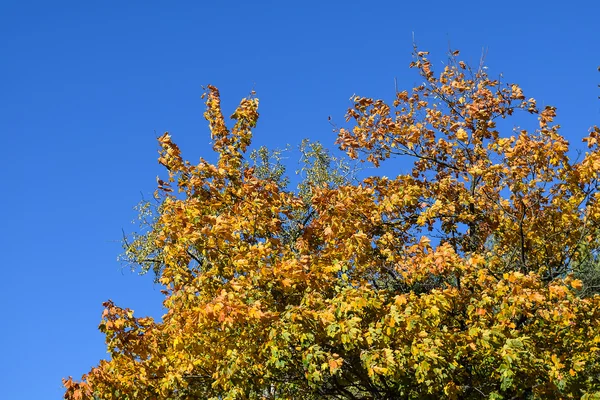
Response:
column 86, row 87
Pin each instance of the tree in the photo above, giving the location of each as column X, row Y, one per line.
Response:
column 455, row 280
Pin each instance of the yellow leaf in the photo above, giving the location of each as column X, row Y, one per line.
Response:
column 576, row 284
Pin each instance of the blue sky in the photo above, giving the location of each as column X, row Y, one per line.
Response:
column 86, row 87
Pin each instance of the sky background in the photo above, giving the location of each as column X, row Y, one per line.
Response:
column 86, row 87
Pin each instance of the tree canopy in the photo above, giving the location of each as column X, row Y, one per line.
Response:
column 462, row 278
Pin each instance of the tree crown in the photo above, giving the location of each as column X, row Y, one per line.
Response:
column 454, row 280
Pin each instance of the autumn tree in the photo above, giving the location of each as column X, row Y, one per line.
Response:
column 454, row 280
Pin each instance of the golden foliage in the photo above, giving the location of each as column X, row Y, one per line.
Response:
column 451, row 281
